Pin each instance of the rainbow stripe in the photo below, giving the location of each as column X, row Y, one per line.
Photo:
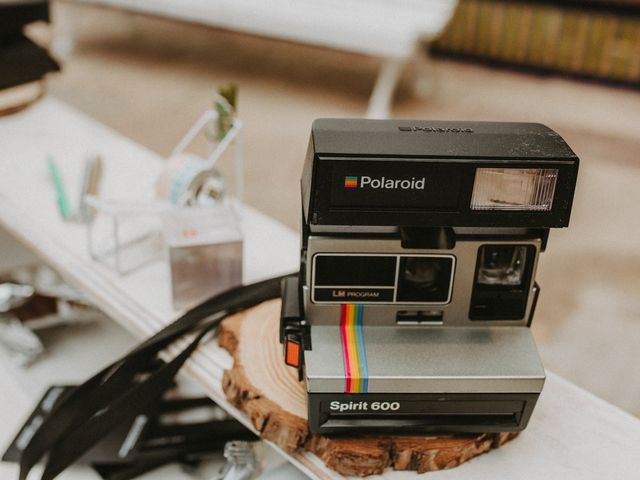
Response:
column 355, row 358
column 350, row 181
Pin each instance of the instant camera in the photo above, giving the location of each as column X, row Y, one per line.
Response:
column 420, row 243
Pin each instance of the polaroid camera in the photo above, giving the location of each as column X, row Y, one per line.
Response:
column 420, row 243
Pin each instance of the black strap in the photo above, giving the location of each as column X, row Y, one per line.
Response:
column 114, row 395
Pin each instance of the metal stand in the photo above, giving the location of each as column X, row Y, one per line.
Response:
column 118, row 213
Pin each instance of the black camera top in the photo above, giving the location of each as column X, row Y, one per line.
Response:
column 374, row 175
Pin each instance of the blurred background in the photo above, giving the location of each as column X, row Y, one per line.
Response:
column 147, row 69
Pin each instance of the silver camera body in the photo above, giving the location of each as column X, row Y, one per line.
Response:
column 420, row 245
column 419, row 284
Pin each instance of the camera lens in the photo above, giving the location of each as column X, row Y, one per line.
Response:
column 424, row 279
column 422, row 272
column 501, row 264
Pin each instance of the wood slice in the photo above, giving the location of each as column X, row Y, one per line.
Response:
column 260, row 384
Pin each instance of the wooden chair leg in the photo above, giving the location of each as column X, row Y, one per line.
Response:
column 382, row 94
column 422, row 77
column 64, row 32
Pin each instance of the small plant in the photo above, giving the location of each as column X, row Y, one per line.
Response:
column 225, row 103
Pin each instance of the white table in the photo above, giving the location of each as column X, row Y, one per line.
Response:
column 572, row 434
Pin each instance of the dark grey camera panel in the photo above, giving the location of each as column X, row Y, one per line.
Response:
column 420, row 186
column 355, row 270
column 421, row 279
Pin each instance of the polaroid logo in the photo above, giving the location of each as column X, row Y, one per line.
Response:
column 436, row 129
column 350, row 181
column 384, row 183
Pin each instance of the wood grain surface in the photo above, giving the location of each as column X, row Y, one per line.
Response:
column 260, row 384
